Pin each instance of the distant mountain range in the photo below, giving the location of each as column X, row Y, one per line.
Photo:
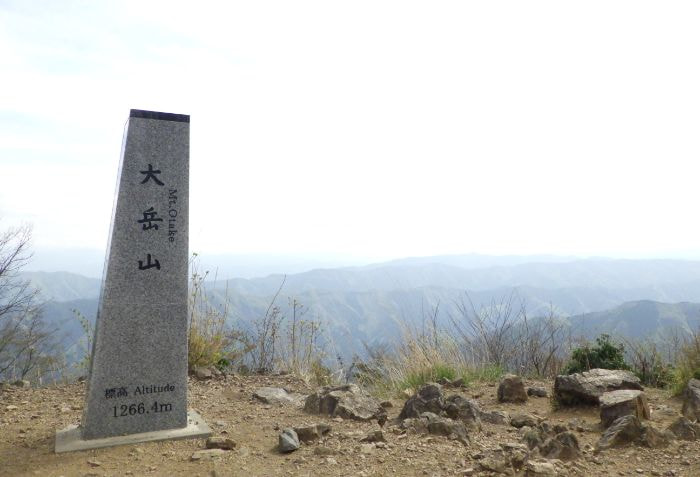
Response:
column 627, row 297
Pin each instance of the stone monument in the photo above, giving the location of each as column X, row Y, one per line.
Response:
column 137, row 384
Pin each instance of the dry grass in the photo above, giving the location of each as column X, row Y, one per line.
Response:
column 687, row 364
column 419, row 358
column 211, row 342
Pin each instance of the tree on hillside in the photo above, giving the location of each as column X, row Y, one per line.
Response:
column 27, row 347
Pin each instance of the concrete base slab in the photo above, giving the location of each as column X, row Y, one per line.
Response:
column 69, row 440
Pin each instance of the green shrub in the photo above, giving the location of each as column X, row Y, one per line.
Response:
column 604, row 354
column 488, row 373
column 319, row 374
column 648, row 363
column 660, row 376
column 687, row 364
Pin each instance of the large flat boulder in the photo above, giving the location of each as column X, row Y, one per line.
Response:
column 691, row 400
column 623, row 402
column 589, row 386
column 347, row 401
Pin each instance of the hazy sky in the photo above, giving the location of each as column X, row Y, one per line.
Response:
column 372, row 129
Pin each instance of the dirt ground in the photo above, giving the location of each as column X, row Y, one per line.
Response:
column 228, row 406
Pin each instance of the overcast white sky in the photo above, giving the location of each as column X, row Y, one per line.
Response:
column 371, row 129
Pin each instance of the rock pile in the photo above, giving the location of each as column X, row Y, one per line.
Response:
column 551, row 442
column 429, row 398
column 430, row 423
column 347, row 401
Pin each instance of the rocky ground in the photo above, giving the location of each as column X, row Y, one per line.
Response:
column 251, row 428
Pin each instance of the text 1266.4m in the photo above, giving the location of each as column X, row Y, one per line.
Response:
column 140, row 408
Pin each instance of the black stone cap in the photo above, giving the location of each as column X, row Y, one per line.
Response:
column 179, row 118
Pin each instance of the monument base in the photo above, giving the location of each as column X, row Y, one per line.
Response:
column 69, row 439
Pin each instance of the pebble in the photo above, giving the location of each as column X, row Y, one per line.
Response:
column 367, row 448
column 323, row 451
column 225, row 443
column 207, row 454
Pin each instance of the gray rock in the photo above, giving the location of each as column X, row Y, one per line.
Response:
column 448, row 427
column 624, row 430
column 430, row 423
column 273, row 395
column 537, row 391
column 630, row 430
column 495, row 417
column 347, row 401
column 495, row 460
column 203, row 373
column 540, row 469
column 508, row 459
column 208, row 454
column 324, row 451
column 520, row 420
column 224, row 443
column 532, row 437
column 587, row 387
column 685, row 429
column 313, row 433
column 288, row 441
column 511, row 389
column 563, row 446
column 653, row 438
column 465, row 410
column 615, row 404
column 516, row 453
column 428, row 398
column 374, row 436
column 691, row 400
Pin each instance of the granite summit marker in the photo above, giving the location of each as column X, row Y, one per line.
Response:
column 137, row 384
